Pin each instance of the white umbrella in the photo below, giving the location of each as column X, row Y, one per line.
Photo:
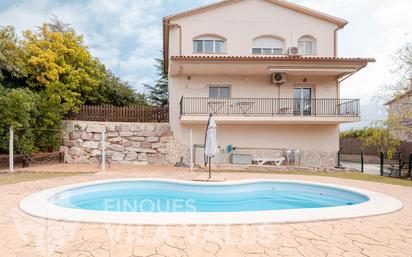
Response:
column 211, row 147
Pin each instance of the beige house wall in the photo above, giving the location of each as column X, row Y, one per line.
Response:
column 289, row 136
column 241, row 22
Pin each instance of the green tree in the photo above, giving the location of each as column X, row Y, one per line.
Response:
column 12, row 59
column 18, row 109
column 113, row 91
column 381, row 137
column 158, row 94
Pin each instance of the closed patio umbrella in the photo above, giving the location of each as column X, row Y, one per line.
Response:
column 211, row 146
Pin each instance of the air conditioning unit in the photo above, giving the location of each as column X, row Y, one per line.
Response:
column 279, row 78
column 293, row 51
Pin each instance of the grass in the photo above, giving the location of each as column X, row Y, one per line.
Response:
column 343, row 175
column 17, row 177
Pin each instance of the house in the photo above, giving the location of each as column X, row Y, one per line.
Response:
column 400, row 107
column 268, row 70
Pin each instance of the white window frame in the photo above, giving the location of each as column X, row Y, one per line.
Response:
column 302, row 45
column 219, row 88
column 273, row 51
column 215, row 41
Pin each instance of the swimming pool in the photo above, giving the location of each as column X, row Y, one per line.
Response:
column 154, row 201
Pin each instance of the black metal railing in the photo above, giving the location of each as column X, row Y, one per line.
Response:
column 269, row 106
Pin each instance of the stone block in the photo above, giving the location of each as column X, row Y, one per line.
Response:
column 76, row 151
column 142, row 157
column 114, row 139
column 150, row 127
column 95, row 153
column 142, row 133
column 75, row 135
column 131, row 156
column 92, row 128
column 78, row 142
column 166, row 139
column 86, row 136
column 158, row 145
column 136, row 138
column 114, row 147
column 152, row 139
column 126, row 143
column 111, row 128
column 117, row 156
column 146, row 145
column 97, row 137
column 112, row 134
column 145, row 150
column 135, row 144
column 90, row 144
column 125, row 134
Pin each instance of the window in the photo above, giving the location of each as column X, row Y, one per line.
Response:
column 268, row 45
column 208, row 44
column 307, row 45
column 219, row 91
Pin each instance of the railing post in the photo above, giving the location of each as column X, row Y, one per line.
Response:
column 400, row 164
column 381, row 162
column 11, row 150
column 181, row 106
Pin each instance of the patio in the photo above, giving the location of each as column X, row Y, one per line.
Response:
column 23, row 235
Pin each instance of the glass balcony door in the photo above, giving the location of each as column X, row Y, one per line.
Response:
column 302, row 101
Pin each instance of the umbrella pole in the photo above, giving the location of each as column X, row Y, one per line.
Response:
column 210, row 167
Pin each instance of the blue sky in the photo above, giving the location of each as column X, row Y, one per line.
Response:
column 127, row 34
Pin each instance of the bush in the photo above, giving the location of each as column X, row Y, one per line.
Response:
column 18, row 109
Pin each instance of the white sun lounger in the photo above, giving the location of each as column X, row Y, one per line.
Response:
column 262, row 161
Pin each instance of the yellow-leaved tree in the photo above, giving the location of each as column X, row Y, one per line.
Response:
column 60, row 66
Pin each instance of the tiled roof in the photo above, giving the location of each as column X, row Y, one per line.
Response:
column 269, row 58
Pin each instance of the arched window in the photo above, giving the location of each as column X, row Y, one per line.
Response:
column 209, row 44
column 307, row 45
column 268, row 45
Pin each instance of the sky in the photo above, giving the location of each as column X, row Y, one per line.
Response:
column 126, row 35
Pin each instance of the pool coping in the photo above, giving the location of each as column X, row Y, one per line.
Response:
column 38, row 205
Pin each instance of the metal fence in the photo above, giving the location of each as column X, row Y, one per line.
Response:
column 269, row 106
column 121, row 114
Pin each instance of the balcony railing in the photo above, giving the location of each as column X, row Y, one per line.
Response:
column 325, row 107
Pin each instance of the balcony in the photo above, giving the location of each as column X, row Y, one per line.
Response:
column 269, row 110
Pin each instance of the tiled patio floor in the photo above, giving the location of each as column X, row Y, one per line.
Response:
column 26, row 236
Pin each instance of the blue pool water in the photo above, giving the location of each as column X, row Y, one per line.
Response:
column 159, row 196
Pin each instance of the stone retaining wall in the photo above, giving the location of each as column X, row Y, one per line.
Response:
column 126, row 143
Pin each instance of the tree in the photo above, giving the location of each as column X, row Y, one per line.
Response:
column 382, row 138
column 12, row 59
column 60, row 65
column 113, row 91
column 158, row 94
column 18, row 109
column 400, row 114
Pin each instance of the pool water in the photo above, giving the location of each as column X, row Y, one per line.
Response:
column 163, row 196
